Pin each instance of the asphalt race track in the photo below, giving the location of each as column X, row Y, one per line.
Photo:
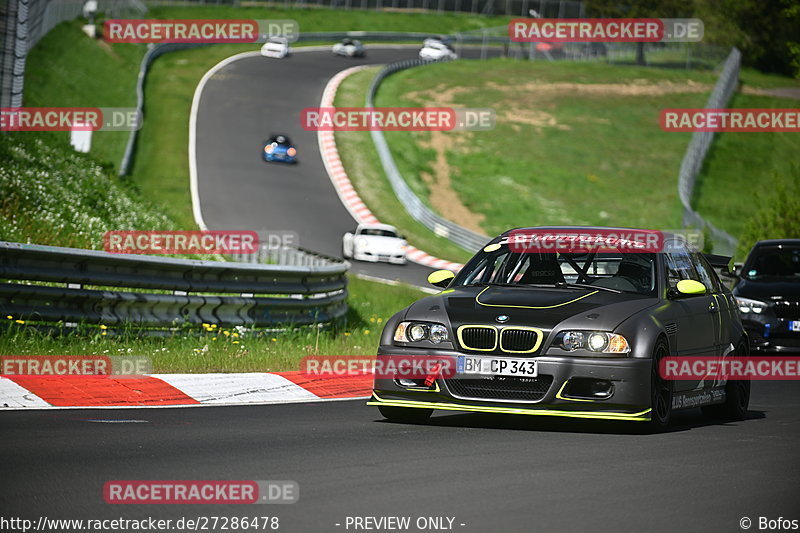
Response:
column 241, row 106
column 492, row 473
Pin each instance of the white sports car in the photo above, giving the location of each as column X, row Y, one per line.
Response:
column 434, row 50
column 277, row 47
column 375, row 242
column 349, row 48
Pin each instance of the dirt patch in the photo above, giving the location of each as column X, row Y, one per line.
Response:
column 443, row 197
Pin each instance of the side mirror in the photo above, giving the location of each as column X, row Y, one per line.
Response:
column 441, row 278
column 689, row 287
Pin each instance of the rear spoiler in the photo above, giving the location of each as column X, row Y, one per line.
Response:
column 720, row 261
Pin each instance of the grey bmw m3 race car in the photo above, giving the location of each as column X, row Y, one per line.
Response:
column 578, row 332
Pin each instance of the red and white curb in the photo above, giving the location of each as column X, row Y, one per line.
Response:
column 344, row 188
column 176, row 390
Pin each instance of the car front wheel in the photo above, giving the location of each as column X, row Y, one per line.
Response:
column 660, row 391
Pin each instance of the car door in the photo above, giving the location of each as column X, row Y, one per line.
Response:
column 694, row 316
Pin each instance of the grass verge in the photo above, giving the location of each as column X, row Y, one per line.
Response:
column 231, row 350
column 742, row 170
column 364, row 169
column 574, row 143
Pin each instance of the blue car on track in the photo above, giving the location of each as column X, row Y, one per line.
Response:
column 280, row 148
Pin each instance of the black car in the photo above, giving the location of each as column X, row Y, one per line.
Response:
column 567, row 334
column 767, row 289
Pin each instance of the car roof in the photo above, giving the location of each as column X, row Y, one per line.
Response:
column 377, row 226
column 667, row 234
column 777, row 242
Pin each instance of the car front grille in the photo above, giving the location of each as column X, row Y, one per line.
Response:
column 504, row 340
column 518, row 340
column 502, row 388
column 479, row 338
column 787, row 310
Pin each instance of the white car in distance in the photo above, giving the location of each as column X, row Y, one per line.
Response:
column 276, row 47
column 374, row 243
column 433, row 50
column 349, row 48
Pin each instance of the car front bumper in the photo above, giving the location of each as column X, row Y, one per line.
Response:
column 379, row 258
column 769, row 334
column 629, row 380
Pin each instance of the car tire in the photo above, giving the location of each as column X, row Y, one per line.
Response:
column 737, row 395
column 661, row 391
column 406, row 415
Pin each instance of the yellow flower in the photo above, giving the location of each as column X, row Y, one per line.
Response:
column 235, row 334
column 206, row 325
column 274, row 339
column 380, row 320
column 366, row 332
column 372, row 319
column 9, row 317
column 235, row 342
column 213, row 338
column 226, row 333
column 104, row 333
column 346, row 333
column 103, row 326
column 19, row 321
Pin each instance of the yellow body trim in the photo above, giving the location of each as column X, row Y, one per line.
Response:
column 477, row 299
column 482, row 326
column 539, row 338
column 560, row 397
column 642, row 416
column 492, row 247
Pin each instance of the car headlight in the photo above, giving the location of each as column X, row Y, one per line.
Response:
column 747, row 306
column 420, row 331
column 593, row 341
column 362, row 243
column 292, row 151
column 269, row 148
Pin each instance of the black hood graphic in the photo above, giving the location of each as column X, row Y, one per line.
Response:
column 543, row 308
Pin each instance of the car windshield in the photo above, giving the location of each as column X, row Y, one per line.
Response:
column 378, row 232
column 280, row 139
column 773, row 262
column 622, row 272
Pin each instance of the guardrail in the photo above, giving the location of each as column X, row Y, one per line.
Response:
column 87, row 286
column 723, row 242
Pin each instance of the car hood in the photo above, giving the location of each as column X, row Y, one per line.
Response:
column 379, row 244
column 768, row 290
column 543, row 308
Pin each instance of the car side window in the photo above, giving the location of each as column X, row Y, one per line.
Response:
column 679, row 267
column 707, row 275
